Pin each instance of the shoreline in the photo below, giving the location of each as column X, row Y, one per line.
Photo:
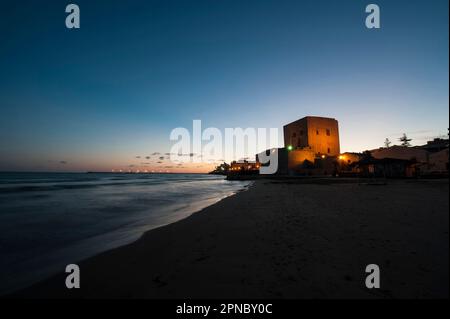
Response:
column 91, row 246
column 282, row 239
column 51, row 278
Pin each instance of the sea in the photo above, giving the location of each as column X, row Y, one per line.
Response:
column 50, row 220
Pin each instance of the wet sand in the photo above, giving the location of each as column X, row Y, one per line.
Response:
column 284, row 239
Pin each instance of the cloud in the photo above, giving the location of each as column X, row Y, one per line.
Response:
column 156, row 153
column 138, row 157
column 161, row 158
column 147, row 157
column 58, row 162
column 190, row 154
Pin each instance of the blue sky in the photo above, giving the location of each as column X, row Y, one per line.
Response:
column 97, row 97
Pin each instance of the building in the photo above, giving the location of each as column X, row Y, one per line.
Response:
column 317, row 134
column 429, row 160
column 436, row 145
column 242, row 170
column 401, row 152
column 245, row 166
column 438, row 163
column 346, row 164
column 349, row 158
column 386, row 167
column 300, row 159
column 312, row 147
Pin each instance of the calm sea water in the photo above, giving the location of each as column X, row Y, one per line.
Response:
column 48, row 220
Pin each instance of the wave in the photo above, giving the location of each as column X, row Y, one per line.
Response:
column 44, row 225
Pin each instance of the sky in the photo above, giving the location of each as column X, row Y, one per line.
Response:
column 107, row 96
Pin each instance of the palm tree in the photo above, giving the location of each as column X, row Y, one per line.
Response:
column 405, row 140
column 387, row 143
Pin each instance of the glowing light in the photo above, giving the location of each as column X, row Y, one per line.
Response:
column 323, row 156
column 290, row 148
column 342, row 157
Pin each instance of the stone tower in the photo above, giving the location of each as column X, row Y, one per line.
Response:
column 318, row 134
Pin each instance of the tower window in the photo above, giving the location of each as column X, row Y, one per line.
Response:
column 329, row 151
column 328, row 132
column 317, row 132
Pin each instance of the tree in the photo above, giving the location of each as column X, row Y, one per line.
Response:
column 405, row 140
column 387, row 143
column 222, row 169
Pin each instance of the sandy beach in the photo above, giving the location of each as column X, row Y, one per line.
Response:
column 308, row 238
